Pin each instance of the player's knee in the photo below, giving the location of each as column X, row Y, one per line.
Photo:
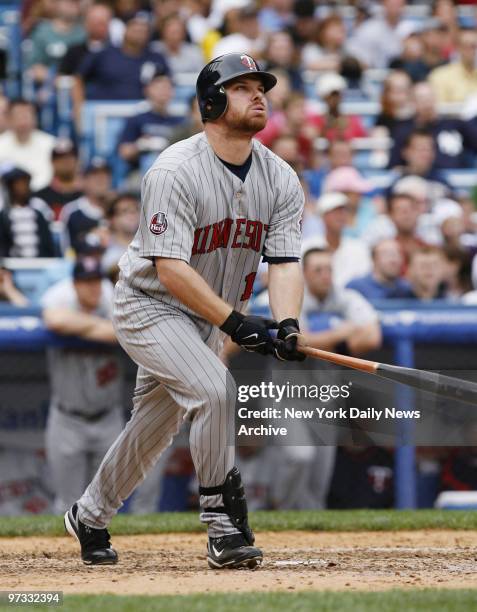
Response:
column 220, row 391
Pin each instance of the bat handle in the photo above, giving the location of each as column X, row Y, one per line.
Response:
column 364, row 365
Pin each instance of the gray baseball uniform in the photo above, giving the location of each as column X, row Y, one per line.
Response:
column 195, row 209
column 85, row 414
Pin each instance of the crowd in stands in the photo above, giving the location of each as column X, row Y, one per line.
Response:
column 375, row 109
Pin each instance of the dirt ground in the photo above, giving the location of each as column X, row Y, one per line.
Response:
column 175, row 563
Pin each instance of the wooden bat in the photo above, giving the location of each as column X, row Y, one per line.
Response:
column 446, row 386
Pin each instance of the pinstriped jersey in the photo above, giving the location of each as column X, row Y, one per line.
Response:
column 197, row 210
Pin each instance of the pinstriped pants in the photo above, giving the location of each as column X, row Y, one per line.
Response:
column 179, row 377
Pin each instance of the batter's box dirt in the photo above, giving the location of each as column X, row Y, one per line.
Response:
column 175, row 563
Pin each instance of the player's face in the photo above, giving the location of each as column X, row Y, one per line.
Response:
column 247, row 105
column 89, row 293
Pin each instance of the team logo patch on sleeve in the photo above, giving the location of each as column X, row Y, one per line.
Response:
column 158, row 224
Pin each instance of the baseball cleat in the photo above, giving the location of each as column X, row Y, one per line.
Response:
column 95, row 543
column 233, row 552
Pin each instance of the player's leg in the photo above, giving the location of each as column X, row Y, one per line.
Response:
column 67, row 458
column 154, row 421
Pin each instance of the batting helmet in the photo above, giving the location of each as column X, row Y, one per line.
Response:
column 210, row 91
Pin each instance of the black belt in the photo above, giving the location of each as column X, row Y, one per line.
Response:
column 90, row 418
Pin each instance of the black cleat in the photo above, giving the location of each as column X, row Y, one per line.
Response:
column 95, row 543
column 233, row 551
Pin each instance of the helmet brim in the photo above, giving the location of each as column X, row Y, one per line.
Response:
column 269, row 80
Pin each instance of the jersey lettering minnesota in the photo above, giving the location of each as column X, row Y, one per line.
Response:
column 195, row 209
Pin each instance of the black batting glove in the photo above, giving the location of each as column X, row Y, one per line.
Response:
column 286, row 342
column 251, row 333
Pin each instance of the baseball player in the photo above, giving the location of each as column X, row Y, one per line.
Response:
column 212, row 206
column 85, row 414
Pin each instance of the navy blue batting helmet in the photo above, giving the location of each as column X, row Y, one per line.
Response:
column 211, row 94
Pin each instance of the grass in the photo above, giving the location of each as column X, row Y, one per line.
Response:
column 326, row 520
column 412, row 600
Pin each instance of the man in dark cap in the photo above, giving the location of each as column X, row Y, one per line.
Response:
column 151, row 131
column 87, row 214
column 85, row 409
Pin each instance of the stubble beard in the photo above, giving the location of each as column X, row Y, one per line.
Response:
column 246, row 126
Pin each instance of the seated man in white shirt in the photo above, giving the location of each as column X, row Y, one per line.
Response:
column 351, row 256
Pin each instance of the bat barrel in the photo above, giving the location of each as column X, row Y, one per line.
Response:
column 445, row 386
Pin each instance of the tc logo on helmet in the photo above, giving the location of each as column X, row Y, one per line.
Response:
column 248, row 62
column 158, row 223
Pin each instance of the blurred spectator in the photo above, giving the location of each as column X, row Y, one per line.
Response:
column 96, row 23
column 287, row 148
column 358, row 329
column 303, row 28
column 378, row 40
column 281, row 54
column 329, row 49
column 459, row 469
column 458, row 80
column 8, row 292
column 25, row 146
column 87, row 214
column 433, row 51
column 361, row 209
column 85, row 414
column 404, row 215
column 397, row 109
column 338, row 153
column 123, row 218
column 51, row 38
column 456, row 272
column 351, row 257
column 246, row 36
column 276, row 15
column 181, row 56
column 193, row 123
column 152, row 130
column 453, row 138
column 334, row 124
column 25, row 220
column 120, row 73
column 65, row 185
column 419, row 155
column 426, row 273
column 446, row 12
column 384, row 282
column 411, row 49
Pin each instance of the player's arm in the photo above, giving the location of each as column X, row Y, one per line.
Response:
column 68, row 322
column 285, row 288
column 186, row 285
column 285, row 282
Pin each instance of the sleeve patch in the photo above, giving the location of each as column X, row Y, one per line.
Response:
column 158, row 224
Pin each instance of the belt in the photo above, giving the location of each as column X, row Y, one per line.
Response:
column 90, row 418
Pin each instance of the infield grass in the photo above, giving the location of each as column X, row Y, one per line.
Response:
column 412, row 600
column 306, row 520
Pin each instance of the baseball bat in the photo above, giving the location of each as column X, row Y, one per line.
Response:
column 445, row 386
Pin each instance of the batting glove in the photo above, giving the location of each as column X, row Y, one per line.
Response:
column 251, row 333
column 286, row 342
